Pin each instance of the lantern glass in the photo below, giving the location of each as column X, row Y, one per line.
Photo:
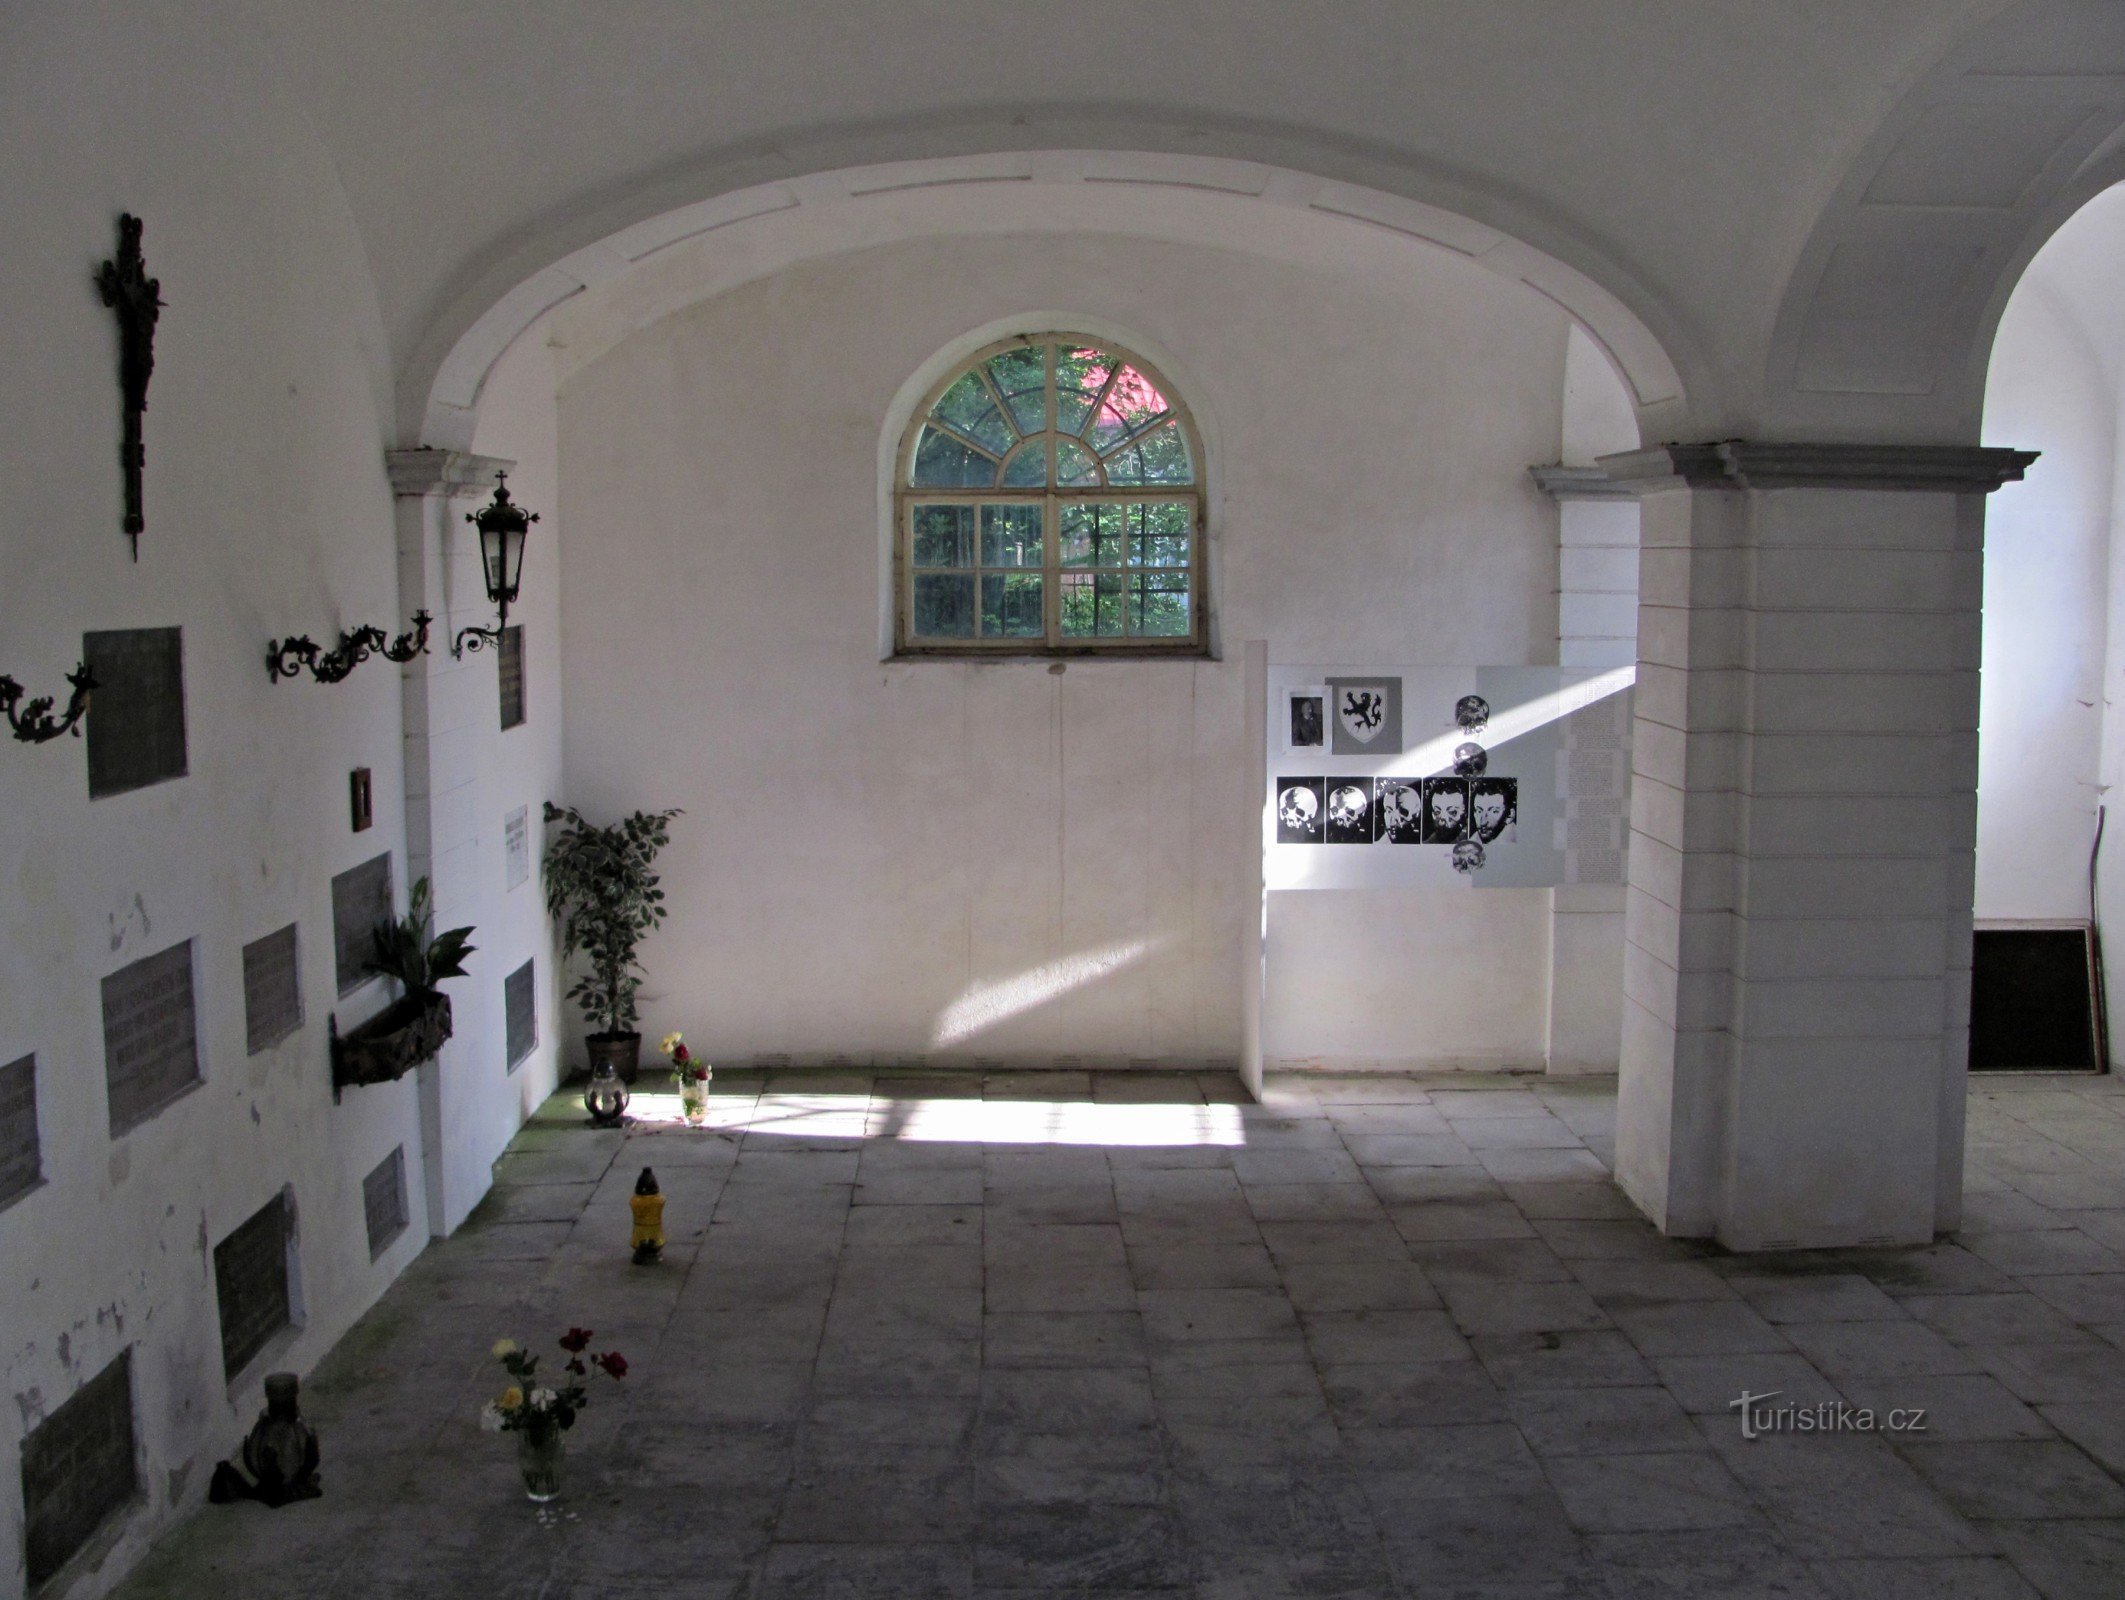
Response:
column 605, row 1097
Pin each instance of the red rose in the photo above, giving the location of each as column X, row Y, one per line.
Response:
column 575, row 1340
column 613, row 1362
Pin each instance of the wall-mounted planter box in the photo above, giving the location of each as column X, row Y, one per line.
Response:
column 391, row 1043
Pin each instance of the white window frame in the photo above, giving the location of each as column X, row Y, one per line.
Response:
column 1052, row 499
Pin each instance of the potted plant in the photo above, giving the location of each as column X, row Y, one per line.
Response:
column 602, row 891
column 414, row 1027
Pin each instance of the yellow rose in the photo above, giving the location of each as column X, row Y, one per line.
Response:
column 504, row 1347
column 671, row 1042
column 512, row 1397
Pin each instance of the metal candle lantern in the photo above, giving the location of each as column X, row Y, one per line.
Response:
column 647, row 1204
column 605, row 1097
column 503, row 528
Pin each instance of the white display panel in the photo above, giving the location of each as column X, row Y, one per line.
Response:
column 1337, row 815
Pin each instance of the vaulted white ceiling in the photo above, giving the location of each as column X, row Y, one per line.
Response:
column 1807, row 198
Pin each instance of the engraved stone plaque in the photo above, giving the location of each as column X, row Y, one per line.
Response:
column 520, row 1006
column 516, row 847
column 78, row 1468
column 509, row 668
column 150, row 1036
column 272, row 990
column 21, row 1162
column 251, row 1284
column 384, row 1201
column 136, row 716
column 361, row 898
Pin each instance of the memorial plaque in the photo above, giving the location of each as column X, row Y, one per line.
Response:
column 136, row 716
column 272, row 990
column 520, row 1008
column 150, row 1036
column 251, row 1284
column 361, row 898
column 361, row 800
column 78, row 1469
column 516, row 847
column 21, row 1161
column 509, row 665
column 384, row 1201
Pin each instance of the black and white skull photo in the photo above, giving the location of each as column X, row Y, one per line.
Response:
column 1298, row 811
column 1493, row 808
column 1470, row 760
column 1309, row 723
column 1445, row 810
column 1399, row 805
column 1468, row 856
column 1471, row 713
column 1350, row 815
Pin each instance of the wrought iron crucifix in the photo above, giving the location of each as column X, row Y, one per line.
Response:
column 137, row 298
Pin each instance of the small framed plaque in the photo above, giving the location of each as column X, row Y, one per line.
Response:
column 509, row 669
column 361, row 799
column 136, row 718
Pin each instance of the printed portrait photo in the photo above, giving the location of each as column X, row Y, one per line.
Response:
column 1445, row 810
column 1399, row 804
column 1493, row 808
column 1306, row 724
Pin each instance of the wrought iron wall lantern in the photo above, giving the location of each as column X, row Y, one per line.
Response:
column 286, row 658
column 33, row 721
column 503, row 527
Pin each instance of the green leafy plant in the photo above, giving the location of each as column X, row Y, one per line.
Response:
column 406, row 950
column 601, row 888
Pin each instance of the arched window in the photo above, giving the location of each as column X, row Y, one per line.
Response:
column 1049, row 500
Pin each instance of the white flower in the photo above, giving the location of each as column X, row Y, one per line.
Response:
column 491, row 1417
column 543, row 1399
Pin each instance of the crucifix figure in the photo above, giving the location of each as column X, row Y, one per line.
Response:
column 137, row 298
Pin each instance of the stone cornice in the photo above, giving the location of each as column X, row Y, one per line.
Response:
column 416, row 474
column 1579, row 483
column 1748, row 464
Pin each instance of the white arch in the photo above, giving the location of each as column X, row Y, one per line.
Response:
column 747, row 232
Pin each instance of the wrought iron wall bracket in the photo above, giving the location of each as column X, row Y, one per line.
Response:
column 286, row 658
column 33, row 721
column 478, row 639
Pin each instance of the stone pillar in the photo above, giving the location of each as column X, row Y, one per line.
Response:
column 1803, row 820
column 1597, row 626
column 439, row 570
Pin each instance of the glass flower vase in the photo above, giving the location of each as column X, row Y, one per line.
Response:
column 538, row 1456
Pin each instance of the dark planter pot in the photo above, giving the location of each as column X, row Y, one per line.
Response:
column 391, row 1043
column 623, row 1050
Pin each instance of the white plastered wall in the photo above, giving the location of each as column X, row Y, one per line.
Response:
column 1035, row 860
column 2052, row 727
column 268, row 514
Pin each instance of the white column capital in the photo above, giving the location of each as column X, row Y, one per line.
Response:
column 419, row 474
column 1756, row 464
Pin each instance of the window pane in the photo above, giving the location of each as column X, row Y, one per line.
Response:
column 1029, row 468
column 1010, row 536
column 944, row 536
column 1072, row 407
column 1159, row 535
column 1091, row 536
column 1021, row 378
column 942, row 462
column 1165, row 455
column 1074, row 466
column 1080, row 374
column 1159, row 604
column 967, row 407
column 1092, row 605
column 1010, row 606
column 944, row 607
